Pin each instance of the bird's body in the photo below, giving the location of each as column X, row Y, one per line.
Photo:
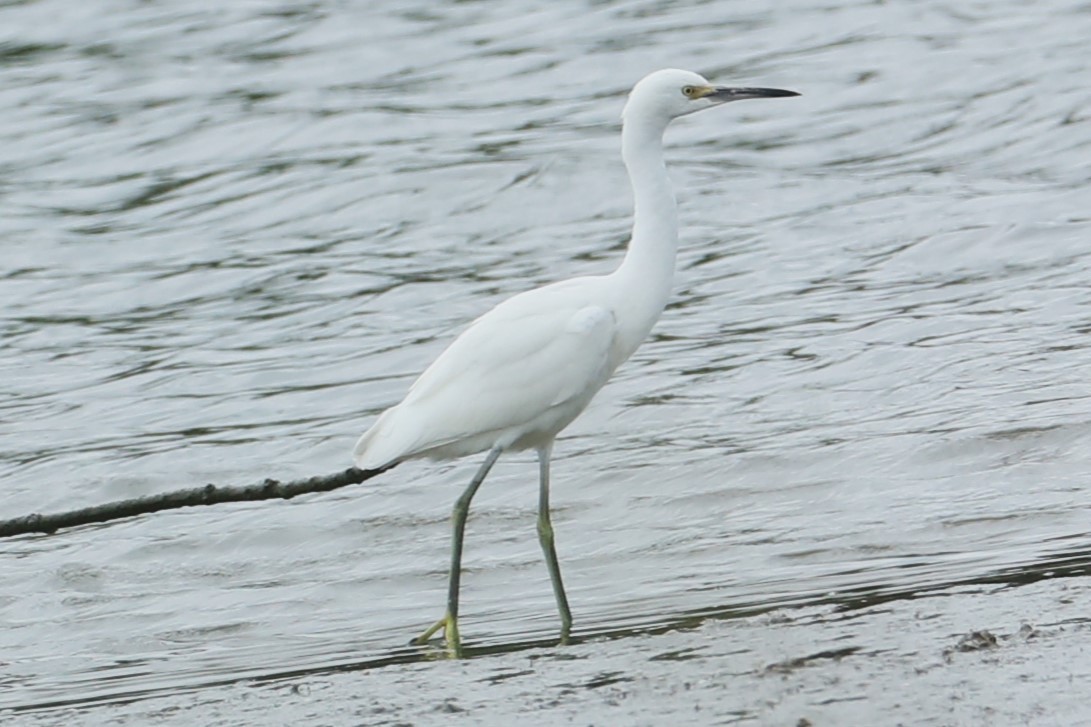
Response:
column 517, row 376
column 525, row 370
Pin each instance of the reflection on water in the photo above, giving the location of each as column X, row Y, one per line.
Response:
column 232, row 235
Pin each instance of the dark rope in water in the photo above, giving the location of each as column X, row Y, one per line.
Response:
column 207, row 495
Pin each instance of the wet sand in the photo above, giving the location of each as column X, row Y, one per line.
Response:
column 990, row 654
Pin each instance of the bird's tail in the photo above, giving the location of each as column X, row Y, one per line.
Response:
column 380, row 447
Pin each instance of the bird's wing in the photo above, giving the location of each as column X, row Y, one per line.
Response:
column 519, row 361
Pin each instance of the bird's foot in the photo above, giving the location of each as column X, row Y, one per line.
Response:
column 449, row 624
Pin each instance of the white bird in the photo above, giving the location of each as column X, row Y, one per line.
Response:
column 523, row 371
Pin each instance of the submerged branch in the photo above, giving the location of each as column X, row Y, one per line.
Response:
column 207, row 495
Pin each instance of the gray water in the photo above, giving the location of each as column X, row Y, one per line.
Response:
column 231, row 234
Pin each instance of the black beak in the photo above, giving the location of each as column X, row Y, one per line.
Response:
column 723, row 94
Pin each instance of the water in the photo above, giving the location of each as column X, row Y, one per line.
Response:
column 232, row 235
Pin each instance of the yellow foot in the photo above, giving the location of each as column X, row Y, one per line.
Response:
column 449, row 624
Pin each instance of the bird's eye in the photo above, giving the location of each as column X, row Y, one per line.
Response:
column 688, row 91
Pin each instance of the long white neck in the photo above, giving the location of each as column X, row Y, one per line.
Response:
column 645, row 275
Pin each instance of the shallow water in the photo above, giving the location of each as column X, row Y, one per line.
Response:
column 233, row 235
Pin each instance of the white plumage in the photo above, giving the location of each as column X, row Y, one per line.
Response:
column 523, row 371
column 517, row 376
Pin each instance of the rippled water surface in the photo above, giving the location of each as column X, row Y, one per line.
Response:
column 232, row 233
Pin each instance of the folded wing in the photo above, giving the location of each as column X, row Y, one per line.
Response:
column 529, row 365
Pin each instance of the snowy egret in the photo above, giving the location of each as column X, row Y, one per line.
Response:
column 523, row 371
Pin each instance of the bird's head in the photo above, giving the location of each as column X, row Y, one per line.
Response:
column 670, row 93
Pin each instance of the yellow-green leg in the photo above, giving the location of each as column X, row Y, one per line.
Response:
column 449, row 622
column 545, row 537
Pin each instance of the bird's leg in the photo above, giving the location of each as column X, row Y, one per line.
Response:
column 545, row 537
column 449, row 622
